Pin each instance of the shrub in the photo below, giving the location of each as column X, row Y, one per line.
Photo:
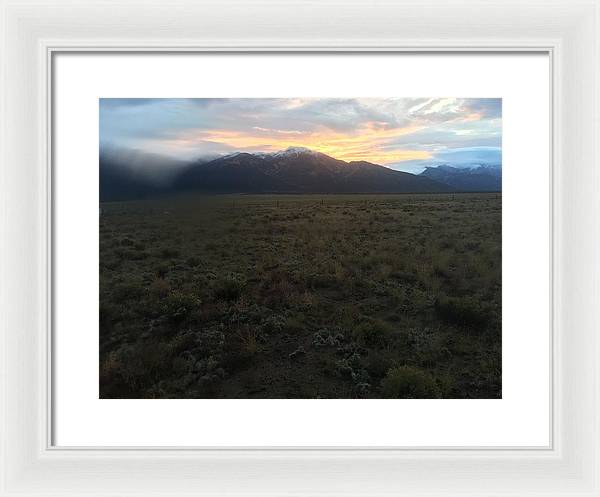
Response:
column 472, row 245
column 327, row 338
column 162, row 270
column 462, row 311
column 278, row 294
column 127, row 242
column 126, row 291
column 405, row 277
column 378, row 363
column 295, row 323
column 193, row 261
column 240, row 347
column 182, row 365
column 407, row 382
column 371, row 333
column 249, row 341
column 106, row 314
column 351, row 368
column 135, row 366
column 210, row 340
column 274, row 323
column 183, row 341
column 420, row 339
column 230, row 287
column 177, row 305
column 321, row 280
column 169, row 253
column 160, row 288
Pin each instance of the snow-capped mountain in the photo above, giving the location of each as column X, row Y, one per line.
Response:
column 299, row 170
column 293, row 170
column 294, row 152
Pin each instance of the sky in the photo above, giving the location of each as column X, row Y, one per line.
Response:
column 406, row 134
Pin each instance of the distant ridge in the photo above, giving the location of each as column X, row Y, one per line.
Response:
column 293, row 170
column 474, row 178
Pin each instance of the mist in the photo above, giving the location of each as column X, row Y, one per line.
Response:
column 153, row 169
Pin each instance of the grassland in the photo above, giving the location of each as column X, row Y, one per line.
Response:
column 308, row 296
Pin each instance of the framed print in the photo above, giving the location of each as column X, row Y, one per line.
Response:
column 248, row 289
column 250, row 252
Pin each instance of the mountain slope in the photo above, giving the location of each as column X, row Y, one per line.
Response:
column 130, row 174
column 299, row 171
column 478, row 178
column 236, row 173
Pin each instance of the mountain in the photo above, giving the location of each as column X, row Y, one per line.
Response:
column 299, row 170
column 131, row 174
column 476, row 178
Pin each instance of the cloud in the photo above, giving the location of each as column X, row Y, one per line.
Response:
column 153, row 169
column 489, row 108
column 114, row 103
column 470, row 155
column 455, row 157
column 382, row 130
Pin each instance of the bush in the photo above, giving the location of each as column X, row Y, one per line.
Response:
column 274, row 323
column 462, row 311
column 106, row 314
column 210, row 341
column 327, row 338
column 127, row 242
column 126, row 291
column 371, row 333
column 405, row 277
column 135, row 367
column 193, row 261
column 183, row 341
column 230, row 287
column 351, row 368
column 177, row 305
column 161, row 270
column 168, row 253
column 406, row 382
column 321, row 280
column 379, row 363
column 159, row 288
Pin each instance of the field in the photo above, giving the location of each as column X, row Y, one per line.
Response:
column 307, row 296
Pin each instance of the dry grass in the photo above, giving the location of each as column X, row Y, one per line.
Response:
column 223, row 296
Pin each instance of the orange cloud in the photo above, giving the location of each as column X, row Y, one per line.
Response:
column 365, row 144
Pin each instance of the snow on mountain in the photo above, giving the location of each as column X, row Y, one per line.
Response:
column 288, row 152
column 294, row 151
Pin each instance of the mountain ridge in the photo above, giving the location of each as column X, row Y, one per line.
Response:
column 474, row 178
column 293, row 170
column 299, row 171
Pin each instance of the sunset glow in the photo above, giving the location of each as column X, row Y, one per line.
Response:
column 396, row 132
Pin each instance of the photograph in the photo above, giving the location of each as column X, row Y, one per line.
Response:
column 300, row 248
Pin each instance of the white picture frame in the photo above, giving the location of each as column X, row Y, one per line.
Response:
column 32, row 32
